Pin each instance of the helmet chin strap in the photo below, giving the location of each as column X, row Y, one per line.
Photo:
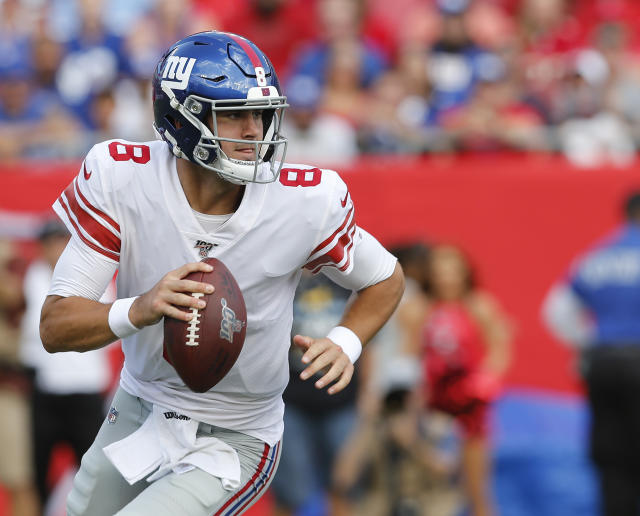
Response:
column 234, row 169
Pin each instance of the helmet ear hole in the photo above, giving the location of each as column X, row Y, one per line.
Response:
column 172, row 121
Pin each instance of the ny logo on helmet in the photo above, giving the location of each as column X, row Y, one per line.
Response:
column 179, row 70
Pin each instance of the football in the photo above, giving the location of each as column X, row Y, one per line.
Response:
column 204, row 349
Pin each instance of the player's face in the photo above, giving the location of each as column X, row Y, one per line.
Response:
column 240, row 125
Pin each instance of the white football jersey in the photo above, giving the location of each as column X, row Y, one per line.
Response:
column 128, row 206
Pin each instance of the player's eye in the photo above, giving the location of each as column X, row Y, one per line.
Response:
column 231, row 115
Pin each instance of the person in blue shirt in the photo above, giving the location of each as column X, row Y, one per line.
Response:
column 597, row 309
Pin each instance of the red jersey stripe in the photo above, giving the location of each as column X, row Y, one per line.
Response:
column 336, row 254
column 255, row 60
column 348, row 252
column 89, row 243
column 92, row 227
column 328, row 240
column 98, row 212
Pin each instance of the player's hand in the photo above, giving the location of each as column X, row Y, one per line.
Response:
column 323, row 354
column 169, row 293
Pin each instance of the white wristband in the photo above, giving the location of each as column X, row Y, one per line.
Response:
column 347, row 340
column 119, row 321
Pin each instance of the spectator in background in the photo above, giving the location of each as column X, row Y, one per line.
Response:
column 16, row 470
column 454, row 59
column 463, row 338
column 33, row 124
column 344, row 61
column 316, row 424
column 17, row 24
column 156, row 29
column 94, row 59
column 495, row 117
column 613, row 40
column 590, row 134
column 393, row 453
column 401, row 117
column 344, row 93
column 281, row 27
column 548, row 27
column 404, row 474
column 313, row 135
column 68, row 393
column 46, row 56
column 125, row 105
column 394, row 341
column 595, row 309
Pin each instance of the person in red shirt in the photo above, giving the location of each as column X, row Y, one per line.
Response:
column 280, row 27
column 463, row 338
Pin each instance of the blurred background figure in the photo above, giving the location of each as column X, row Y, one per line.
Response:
column 494, row 117
column 590, row 133
column 401, row 117
column 16, row 469
column 33, row 123
column 283, row 27
column 67, row 401
column 313, row 135
column 343, row 58
column 595, row 309
column 394, row 342
column 316, row 424
column 453, row 58
column 394, row 457
column 463, row 339
column 94, row 58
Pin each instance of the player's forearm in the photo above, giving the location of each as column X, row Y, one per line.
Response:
column 74, row 324
column 374, row 305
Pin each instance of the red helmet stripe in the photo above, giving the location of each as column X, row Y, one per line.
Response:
column 255, row 60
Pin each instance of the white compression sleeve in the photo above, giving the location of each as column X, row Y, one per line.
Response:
column 81, row 272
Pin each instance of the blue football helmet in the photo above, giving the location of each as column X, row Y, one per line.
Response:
column 209, row 72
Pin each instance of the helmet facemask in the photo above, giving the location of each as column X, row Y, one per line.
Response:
column 208, row 153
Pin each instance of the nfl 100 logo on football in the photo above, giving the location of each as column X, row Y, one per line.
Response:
column 229, row 324
column 177, row 71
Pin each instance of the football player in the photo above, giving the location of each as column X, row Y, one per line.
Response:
column 215, row 184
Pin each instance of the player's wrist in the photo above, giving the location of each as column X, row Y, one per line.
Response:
column 347, row 340
column 119, row 320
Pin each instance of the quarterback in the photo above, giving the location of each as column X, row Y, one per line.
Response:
column 215, row 184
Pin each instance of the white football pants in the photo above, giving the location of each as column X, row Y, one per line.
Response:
column 100, row 490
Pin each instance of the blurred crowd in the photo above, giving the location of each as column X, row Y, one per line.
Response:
column 362, row 76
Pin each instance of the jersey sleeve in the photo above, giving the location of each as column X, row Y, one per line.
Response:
column 86, row 207
column 337, row 232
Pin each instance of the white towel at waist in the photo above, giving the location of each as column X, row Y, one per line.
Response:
column 168, row 441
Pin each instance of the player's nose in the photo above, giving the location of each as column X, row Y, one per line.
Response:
column 251, row 126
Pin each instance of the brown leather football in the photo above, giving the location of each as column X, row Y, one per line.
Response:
column 204, row 349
